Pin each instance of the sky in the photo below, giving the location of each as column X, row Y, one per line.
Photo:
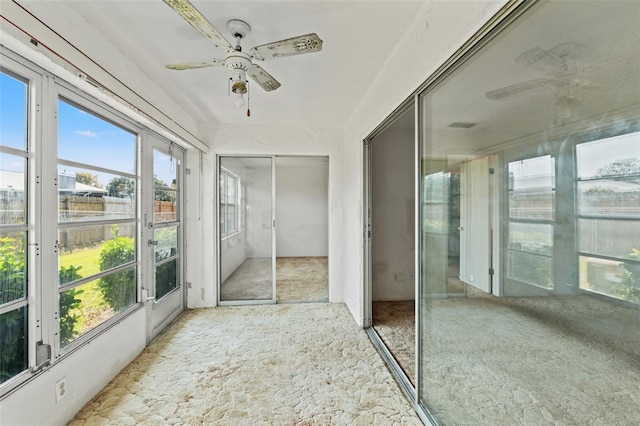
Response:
column 85, row 138
column 82, row 137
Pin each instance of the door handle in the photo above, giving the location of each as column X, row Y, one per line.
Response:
column 152, row 243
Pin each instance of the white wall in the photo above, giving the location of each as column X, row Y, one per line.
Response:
column 87, row 371
column 392, row 215
column 440, row 28
column 302, row 206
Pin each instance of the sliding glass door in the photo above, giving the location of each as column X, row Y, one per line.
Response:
column 247, row 230
column 534, row 319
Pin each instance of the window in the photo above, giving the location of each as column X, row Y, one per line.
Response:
column 435, row 211
column 96, row 220
column 68, row 273
column 165, row 217
column 608, row 192
column 229, row 202
column 14, row 227
column 531, row 216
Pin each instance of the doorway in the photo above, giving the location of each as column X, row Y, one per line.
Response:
column 391, row 247
column 163, row 232
column 273, row 229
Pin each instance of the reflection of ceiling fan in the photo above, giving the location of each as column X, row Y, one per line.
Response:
column 559, row 65
column 239, row 62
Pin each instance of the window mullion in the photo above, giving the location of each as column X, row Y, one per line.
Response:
column 47, row 181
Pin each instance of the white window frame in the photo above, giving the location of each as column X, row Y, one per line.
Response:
column 224, row 203
column 41, row 153
column 615, row 218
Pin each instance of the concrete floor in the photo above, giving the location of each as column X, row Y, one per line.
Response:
column 282, row 364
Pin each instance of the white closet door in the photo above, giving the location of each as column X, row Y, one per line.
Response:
column 475, row 224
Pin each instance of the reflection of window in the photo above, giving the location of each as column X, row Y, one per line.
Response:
column 14, row 227
column 229, row 202
column 609, row 216
column 435, row 209
column 531, row 215
column 96, row 220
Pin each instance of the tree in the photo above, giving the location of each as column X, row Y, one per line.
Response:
column 620, row 168
column 161, row 194
column 121, row 187
column 88, row 179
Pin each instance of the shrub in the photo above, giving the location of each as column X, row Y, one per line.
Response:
column 69, row 302
column 118, row 289
column 13, row 324
column 629, row 288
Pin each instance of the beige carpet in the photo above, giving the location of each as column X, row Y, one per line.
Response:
column 298, row 279
column 571, row 360
column 288, row 364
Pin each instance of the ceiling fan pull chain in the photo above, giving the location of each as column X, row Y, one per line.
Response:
column 248, row 100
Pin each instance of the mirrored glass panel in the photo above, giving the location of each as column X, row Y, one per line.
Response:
column 246, row 228
column 547, row 296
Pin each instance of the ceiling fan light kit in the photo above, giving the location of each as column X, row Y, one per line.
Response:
column 238, row 62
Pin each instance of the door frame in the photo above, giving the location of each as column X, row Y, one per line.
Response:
column 409, row 390
column 274, row 228
column 218, row 235
column 160, row 313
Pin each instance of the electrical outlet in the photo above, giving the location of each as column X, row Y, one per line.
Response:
column 61, row 389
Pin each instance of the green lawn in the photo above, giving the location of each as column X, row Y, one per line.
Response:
column 93, row 307
column 88, row 258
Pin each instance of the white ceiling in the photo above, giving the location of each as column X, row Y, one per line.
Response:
column 318, row 89
column 324, row 88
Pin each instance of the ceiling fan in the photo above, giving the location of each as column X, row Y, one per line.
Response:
column 559, row 65
column 239, row 62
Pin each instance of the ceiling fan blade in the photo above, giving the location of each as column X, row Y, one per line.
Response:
column 292, row 46
column 542, row 60
column 185, row 9
column 263, row 78
column 194, row 65
column 514, row 89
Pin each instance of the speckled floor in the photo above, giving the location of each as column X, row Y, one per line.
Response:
column 283, row 364
column 394, row 321
column 572, row 360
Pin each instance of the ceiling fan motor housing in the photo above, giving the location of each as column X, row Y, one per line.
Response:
column 239, row 63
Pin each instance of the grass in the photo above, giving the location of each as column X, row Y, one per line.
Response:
column 93, row 304
column 88, row 258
